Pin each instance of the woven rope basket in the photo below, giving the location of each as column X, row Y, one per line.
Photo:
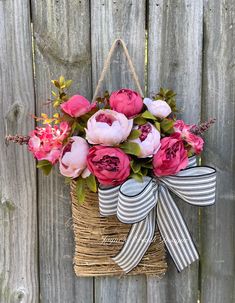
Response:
column 97, row 239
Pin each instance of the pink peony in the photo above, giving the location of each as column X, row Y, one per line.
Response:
column 126, row 101
column 46, row 142
column 149, row 140
column 107, row 127
column 194, row 141
column 73, row 157
column 77, row 106
column 110, row 165
column 171, row 157
column 158, row 108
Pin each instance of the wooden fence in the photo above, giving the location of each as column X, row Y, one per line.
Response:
column 190, row 48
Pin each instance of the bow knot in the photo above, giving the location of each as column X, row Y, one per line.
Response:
column 150, row 202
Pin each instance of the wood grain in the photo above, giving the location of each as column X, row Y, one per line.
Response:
column 174, row 61
column 218, row 229
column 111, row 20
column 18, row 212
column 62, row 47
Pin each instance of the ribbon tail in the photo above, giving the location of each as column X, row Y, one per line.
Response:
column 174, row 231
column 140, row 236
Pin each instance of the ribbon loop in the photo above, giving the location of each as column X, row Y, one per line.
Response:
column 195, row 185
column 135, row 200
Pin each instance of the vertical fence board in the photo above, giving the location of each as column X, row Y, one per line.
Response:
column 18, row 215
column 218, row 229
column 174, row 61
column 62, row 47
column 111, row 20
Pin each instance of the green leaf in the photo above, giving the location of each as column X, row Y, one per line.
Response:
column 139, row 120
column 136, row 166
column 131, row 148
column 91, row 183
column 158, row 126
column 167, row 125
column 148, row 115
column 68, row 83
column 56, row 83
column 80, row 190
column 45, row 166
column 137, row 177
column 135, row 133
column 147, row 165
column 144, row 171
column 61, row 80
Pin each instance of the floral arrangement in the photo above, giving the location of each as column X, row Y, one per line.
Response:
column 117, row 141
column 119, row 136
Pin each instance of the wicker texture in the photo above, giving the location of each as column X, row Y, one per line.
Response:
column 98, row 239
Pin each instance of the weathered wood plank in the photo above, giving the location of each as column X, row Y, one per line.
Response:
column 111, row 20
column 218, row 229
column 62, row 47
column 174, row 61
column 18, row 204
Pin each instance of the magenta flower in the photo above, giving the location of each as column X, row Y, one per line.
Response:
column 195, row 142
column 126, row 101
column 110, row 165
column 46, row 142
column 171, row 157
column 77, row 106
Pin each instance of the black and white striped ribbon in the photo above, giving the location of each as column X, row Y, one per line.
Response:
column 135, row 202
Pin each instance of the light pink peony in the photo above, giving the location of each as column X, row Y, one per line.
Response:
column 107, row 127
column 77, row 106
column 73, row 157
column 126, row 101
column 171, row 157
column 110, row 165
column 46, row 142
column 158, row 108
column 149, row 140
column 195, row 142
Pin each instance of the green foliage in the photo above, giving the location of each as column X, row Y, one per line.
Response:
column 148, row 115
column 91, row 183
column 80, row 189
column 158, row 126
column 167, row 126
column 140, row 168
column 138, row 177
column 45, row 166
column 168, row 96
column 135, row 166
column 135, row 133
column 130, row 148
column 139, row 120
column 61, row 94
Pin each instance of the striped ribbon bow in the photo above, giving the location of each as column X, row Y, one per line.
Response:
column 149, row 204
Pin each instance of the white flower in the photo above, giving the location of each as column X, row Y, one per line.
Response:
column 148, row 141
column 108, row 127
column 158, row 108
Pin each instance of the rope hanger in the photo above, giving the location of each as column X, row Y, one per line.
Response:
column 116, row 43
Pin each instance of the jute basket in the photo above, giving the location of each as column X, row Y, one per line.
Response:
column 97, row 239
